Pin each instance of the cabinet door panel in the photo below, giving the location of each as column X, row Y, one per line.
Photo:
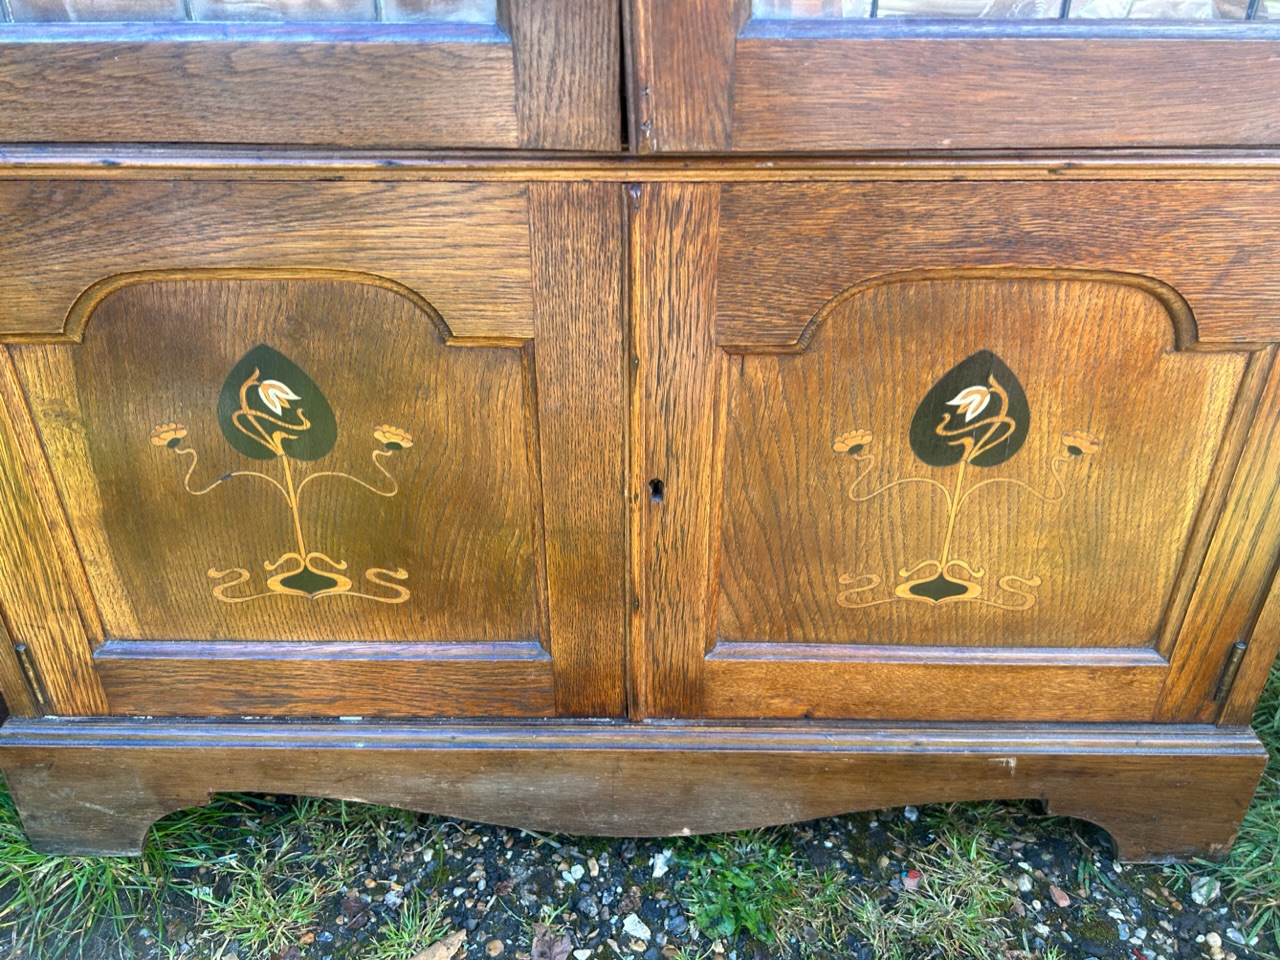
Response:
column 944, row 453
column 264, row 489
column 301, row 493
column 959, row 493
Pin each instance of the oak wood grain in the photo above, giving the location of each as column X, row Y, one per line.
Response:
column 567, row 73
column 53, row 509
column 682, row 57
column 464, row 245
column 38, row 605
column 815, row 681
column 16, row 696
column 580, row 353
column 344, row 86
column 1027, row 92
column 673, row 411
column 1162, row 791
column 1240, row 700
column 1236, row 574
column 821, row 238
column 157, row 353
column 386, row 680
column 797, row 547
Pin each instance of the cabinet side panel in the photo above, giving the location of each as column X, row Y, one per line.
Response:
column 1237, row 571
column 578, row 272
column 38, row 604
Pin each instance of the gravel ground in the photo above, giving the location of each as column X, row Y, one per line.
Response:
column 518, row 895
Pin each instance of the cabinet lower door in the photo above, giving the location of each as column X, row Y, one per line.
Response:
column 293, row 491
column 956, row 490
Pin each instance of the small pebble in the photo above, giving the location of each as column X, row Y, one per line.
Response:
column 494, row 948
column 1205, row 890
column 636, row 927
column 1024, row 882
column 911, row 813
column 661, row 863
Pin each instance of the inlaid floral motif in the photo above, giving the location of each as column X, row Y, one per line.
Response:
column 270, row 410
column 982, row 423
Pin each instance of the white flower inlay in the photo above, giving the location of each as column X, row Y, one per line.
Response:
column 276, row 395
column 971, row 401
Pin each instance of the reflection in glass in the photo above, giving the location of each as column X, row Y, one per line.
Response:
column 235, row 11
column 1016, row 9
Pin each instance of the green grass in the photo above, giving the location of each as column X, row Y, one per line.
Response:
column 752, row 884
column 748, row 883
column 1251, row 874
column 960, row 909
column 54, row 902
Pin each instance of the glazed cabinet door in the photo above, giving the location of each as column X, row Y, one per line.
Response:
column 812, row 76
column 933, row 451
column 313, row 449
column 452, row 74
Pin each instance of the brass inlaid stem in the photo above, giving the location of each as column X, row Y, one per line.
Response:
column 293, row 507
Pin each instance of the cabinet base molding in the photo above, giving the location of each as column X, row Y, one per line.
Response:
column 95, row 786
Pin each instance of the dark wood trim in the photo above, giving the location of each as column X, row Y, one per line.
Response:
column 94, row 786
column 282, row 679
column 196, row 162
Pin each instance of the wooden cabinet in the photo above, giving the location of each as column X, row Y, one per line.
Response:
column 557, row 489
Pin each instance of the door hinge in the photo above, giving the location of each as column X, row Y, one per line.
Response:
column 31, row 675
column 1229, row 670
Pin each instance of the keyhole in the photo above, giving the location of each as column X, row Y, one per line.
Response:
column 655, row 490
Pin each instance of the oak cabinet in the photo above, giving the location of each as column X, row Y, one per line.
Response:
column 557, row 488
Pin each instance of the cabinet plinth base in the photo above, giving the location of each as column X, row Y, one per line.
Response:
column 94, row 786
